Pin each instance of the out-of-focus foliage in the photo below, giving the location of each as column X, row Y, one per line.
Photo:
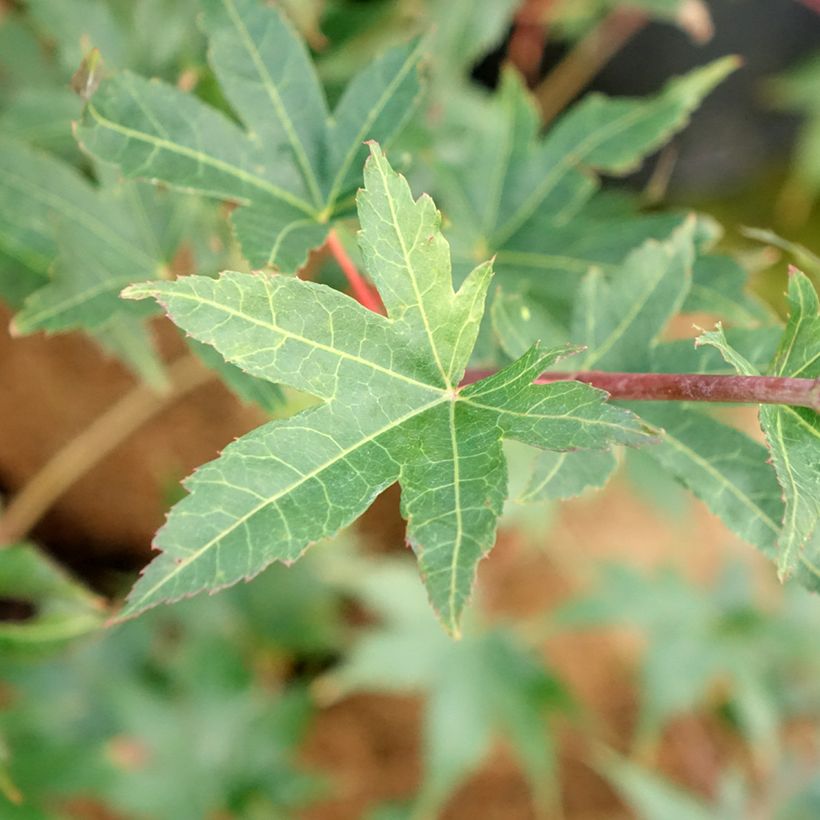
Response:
column 799, row 91
column 715, row 647
column 189, row 713
column 201, row 708
column 46, row 608
column 489, row 685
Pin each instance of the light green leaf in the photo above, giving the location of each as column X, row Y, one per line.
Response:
column 565, row 475
column 792, row 433
column 256, row 391
column 61, row 608
column 293, row 168
column 391, row 410
column 620, row 318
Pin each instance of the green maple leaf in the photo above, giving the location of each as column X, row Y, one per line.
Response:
column 78, row 245
column 534, row 202
column 512, row 183
column 294, row 167
column 792, row 433
column 391, row 410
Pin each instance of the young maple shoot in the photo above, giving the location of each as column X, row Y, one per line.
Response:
column 392, row 410
column 572, row 263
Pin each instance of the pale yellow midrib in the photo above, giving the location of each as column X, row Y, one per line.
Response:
column 204, row 159
column 411, row 273
column 451, row 603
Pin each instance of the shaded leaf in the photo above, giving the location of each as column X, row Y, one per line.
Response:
column 292, row 167
column 86, row 242
column 620, row 318
column 565, row 475
column 792, row 433
column 510, row 176
column 54, row 608
column 719, row 287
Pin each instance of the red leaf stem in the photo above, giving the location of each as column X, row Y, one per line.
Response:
column 689, row 387
column 529, row 37
column 363, row 291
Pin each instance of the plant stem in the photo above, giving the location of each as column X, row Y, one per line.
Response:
column 93, row 444
column 689, row 387
column 529, row 37
column 586, row 59
column 364, row 293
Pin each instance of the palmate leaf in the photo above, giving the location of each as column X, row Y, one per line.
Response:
column 293, row 167
column 391, row 410
column 82, row 243
column 533, row 201
column 72, row 246
column 792, row 433
column 512, row 184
